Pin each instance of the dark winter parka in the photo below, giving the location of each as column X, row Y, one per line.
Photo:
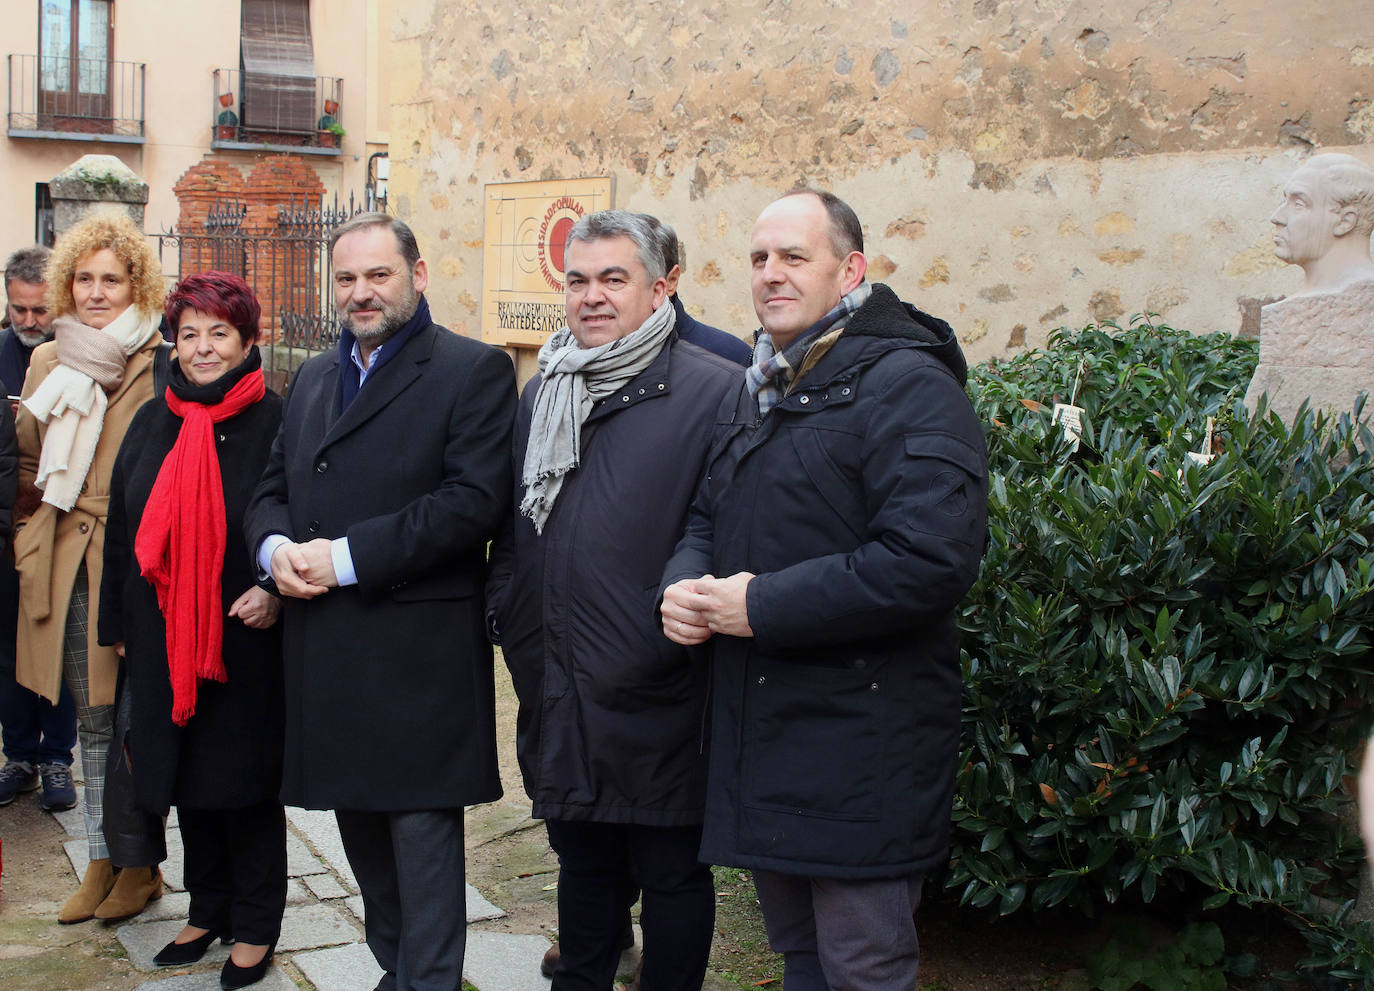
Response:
column 611, row 711
column 860, row 502
column 229, row 754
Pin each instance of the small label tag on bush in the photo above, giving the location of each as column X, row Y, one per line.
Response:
column 1071, row 419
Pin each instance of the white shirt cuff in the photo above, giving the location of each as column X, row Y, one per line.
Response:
column 266, row 549
column 342, row 558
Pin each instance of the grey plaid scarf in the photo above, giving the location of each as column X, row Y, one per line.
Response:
column 573, row 380
column 771, row 374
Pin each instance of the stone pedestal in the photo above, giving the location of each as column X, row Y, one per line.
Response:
column 1317, row 347
column 94, row 183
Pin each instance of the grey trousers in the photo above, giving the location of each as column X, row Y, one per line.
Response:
column 409, row 867
column 842, row 935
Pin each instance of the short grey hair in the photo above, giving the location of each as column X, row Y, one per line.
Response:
column 621, row 223
column 405, row 237
column 28, row 265
column 1351, row 186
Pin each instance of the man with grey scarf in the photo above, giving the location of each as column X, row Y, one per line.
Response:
column 609, row 444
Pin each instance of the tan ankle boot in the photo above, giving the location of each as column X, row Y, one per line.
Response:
column 134, row 888
column 95, row 886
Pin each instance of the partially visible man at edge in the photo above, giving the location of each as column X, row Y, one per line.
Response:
column 690, row 329
column 388, row 476
column 845, row 509
column 609, row 443
column 38, row 736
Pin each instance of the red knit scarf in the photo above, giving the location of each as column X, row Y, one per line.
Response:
column 180, row 542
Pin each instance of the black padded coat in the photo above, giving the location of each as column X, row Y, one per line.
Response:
column 860, row 502
column 611, row 711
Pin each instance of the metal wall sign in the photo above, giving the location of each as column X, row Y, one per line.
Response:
column 526, row 228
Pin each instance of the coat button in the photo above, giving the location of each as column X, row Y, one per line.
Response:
column 804, row 400
column 322, row 467
column 642, row 391
column 314, row 526
column 624, row 399
column 762, row 679
column 84, row 527
column 844, row 391
column 873, row 687
column 661, row 387
column 222, row 438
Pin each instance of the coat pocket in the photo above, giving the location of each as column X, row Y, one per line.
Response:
column 814, row 742
column 33, row 554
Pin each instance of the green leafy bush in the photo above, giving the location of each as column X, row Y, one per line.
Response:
column 1166, row 663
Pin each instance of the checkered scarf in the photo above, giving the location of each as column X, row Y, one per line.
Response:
column 771, row 374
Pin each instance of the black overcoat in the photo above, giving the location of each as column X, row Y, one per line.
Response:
column 228, row 755
column 611, row 710
column 860, row 503
column 389, row 682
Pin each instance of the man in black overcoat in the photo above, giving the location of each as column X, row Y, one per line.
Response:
column 386, row 481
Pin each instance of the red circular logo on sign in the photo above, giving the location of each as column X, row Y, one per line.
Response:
column 562, row 214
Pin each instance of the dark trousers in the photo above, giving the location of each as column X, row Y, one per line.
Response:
column 598, row 863
column 34, row 730
column 236, row 869
column 409, row 867
column 842, row 935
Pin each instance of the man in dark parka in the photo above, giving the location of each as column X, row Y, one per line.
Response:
column 609, row 444
column 843, row 513
column 389, row 475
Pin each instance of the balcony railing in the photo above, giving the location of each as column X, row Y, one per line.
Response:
column 294, row 115
column 76, row 98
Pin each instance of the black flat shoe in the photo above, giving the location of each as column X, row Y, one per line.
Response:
column 233, row 977
column 176, row 954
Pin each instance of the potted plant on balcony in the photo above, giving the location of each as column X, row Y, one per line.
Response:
column 226, row 99
column 330, row 131
column 331, row 107
column 227, row 125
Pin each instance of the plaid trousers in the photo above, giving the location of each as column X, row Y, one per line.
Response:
column 95, row 723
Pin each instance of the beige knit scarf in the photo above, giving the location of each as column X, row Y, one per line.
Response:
column 73, row 398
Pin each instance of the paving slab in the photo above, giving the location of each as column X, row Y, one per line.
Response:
column 297, row 893
column 504, row 962
column 343, row 968
column 320, row 829
column 274, row 980
column 300, row 862
column 308, row 927
column 478, row 908
column 325, row 887
column 355, row 905
column 172, row 905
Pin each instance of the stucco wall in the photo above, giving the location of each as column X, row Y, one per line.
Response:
column 1018, row 165
column 182, row 45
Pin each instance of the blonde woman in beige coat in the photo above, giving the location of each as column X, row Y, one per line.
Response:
column 82, row 390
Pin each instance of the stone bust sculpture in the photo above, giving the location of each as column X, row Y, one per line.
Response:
column 1324, row 222
column 1317, row 345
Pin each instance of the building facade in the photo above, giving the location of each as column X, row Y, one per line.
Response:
column 163, row 87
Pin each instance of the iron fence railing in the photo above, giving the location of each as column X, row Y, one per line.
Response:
column 61, row 96
column 237, row 123
column 285, row 259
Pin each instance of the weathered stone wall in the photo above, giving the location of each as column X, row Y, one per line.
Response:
column 1018, row 164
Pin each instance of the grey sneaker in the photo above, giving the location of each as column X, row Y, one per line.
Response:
column 16, row 777
column 59, row 794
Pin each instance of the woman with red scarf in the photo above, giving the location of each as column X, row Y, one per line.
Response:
column 182, row 602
